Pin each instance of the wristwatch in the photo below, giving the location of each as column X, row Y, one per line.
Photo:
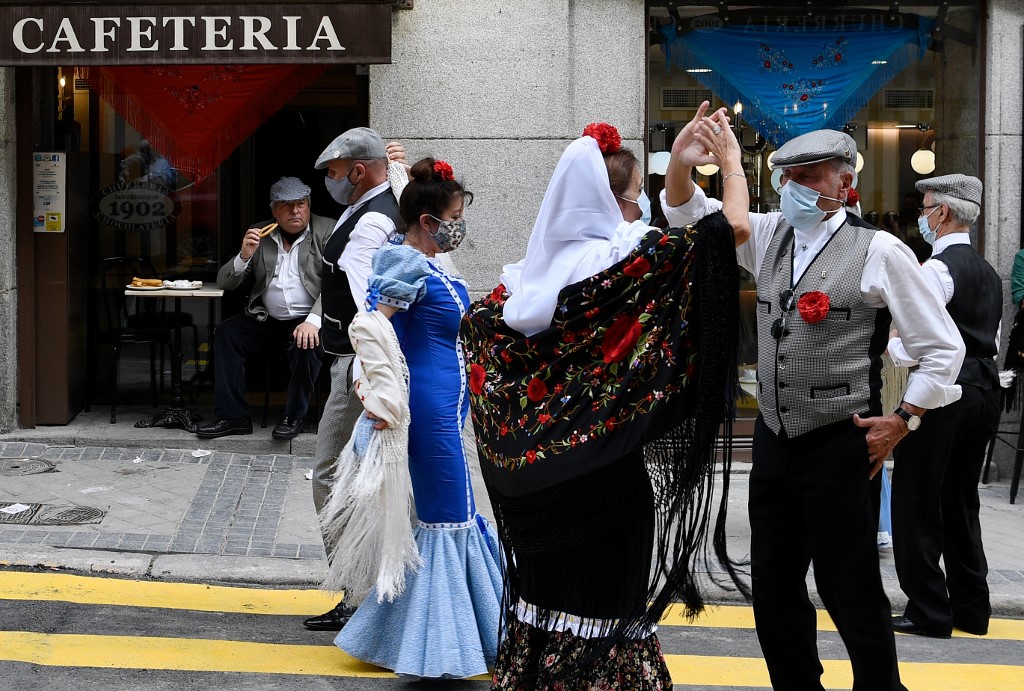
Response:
column 913, row 421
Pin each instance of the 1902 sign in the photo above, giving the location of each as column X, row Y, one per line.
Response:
column 134, row 206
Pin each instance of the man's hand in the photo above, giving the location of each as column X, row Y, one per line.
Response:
column 884, row 432
column 306, row 336
column 396, row 153
column 250, row 242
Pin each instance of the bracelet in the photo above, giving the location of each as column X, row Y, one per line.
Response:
column 731, row 174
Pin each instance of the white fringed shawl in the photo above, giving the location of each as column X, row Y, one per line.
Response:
column 367, row 515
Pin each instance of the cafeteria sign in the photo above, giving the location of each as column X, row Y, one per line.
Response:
column 225, row 33
column 138, row 205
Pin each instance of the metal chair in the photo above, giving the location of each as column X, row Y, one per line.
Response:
column 118, row 327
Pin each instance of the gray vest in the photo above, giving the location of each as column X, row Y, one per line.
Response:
column 820, row 373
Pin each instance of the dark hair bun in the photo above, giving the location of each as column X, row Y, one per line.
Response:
column 423, row 170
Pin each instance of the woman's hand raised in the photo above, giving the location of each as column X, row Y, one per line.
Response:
column 688, row 149
column 715, row 136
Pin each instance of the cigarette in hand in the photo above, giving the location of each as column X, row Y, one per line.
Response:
column 267, row 230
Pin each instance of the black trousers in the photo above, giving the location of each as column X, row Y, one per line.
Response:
column 811, row 500
column 935, row 513
column 239, row 338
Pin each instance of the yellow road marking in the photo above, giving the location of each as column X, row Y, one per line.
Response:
column 16, row 585
column 213, row 598
column 201, row 655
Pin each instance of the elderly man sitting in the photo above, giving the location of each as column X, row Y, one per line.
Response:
column 284, row 308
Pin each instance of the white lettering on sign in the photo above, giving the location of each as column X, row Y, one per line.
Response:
column 213, row 33
column 326, row 32
column 19, row 35
column 138, row 33
column 178, row 27
column 99, row 41
column 291, row 23
column 66, row 34
column 250, row 34
column 149, row 34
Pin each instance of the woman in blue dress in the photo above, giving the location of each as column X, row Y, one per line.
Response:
column 444, row 621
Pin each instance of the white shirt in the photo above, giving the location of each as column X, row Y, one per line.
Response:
column 936, row 273
column 368, row 236
column 891, row 278
column 286, row 296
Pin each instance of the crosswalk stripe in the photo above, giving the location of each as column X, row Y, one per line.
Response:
column 86, row 590
column 203, row 655
column 91, row 590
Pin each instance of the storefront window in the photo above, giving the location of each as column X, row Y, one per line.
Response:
column 907, row 98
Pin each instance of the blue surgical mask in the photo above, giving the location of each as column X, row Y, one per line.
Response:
column 800, row 205
column 926, row 232
column 340, row 189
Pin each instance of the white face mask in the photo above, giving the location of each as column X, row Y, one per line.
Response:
column 926, row 232
column 800, row 205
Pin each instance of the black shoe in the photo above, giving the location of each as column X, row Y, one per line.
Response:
column 288, row 428
column 901, row 624
column 331, row 621
column 224, row 427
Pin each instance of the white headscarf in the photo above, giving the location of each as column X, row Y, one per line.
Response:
column 579, row 232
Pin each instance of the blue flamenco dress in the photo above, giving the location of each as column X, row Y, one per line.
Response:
column 446, row 622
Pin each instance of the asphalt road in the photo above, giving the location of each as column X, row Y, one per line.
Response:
column 62, row 632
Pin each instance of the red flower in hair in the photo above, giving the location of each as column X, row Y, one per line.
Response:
column 443, row 170
column 606, row 135
column 813, row 306
column 852, row 199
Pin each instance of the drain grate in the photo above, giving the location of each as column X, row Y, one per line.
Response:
column 21, row 518
column 25, row 466
column 49, row 514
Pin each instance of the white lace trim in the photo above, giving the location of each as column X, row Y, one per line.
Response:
column 448, row 526
column 583, row 627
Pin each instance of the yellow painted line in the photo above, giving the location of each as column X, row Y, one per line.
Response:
column 751, row 672
column 202, row 655
column 15, row 585
column 740, row 617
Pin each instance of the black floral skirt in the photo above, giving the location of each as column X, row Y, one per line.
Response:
column 527, row 653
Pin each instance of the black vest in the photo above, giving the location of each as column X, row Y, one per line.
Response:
column 976, row 308
column 335, row 295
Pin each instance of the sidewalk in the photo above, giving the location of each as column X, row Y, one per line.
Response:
column 190, row 512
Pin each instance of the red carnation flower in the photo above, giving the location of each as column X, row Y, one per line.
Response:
column 607, row 136
column 443, row 170
column 620, row 338
column 637, row 268
column 852, row 199
column 477, row 374
column 536, row 390
column 813, row 306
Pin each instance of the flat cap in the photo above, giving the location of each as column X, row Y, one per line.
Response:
column 966, row 187
column 288, row 190
column 815, row 147
column 358, row 143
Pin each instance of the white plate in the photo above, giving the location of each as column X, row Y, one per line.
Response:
column 131, row 287
column 194, row 285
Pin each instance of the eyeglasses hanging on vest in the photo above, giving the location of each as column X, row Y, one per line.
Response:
column 786, row 300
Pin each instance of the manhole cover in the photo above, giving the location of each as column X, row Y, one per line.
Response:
column 25, row 466
column 69, row 515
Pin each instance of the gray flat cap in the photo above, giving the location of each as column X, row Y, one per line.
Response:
column 288, row 190
column 358, row 143
column 815, row 147
column 966, row 187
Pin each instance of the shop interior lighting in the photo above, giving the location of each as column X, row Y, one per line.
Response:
column 699, row 70
column 707, row 170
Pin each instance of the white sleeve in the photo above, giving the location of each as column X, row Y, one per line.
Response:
column 240, row 263
column 940, row 282
column 762, row 226
column 368, row 236
column 892, row 278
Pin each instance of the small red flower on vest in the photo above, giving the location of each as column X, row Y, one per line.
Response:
column 813, row 306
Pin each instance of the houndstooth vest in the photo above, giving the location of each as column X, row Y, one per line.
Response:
column 820, row 373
